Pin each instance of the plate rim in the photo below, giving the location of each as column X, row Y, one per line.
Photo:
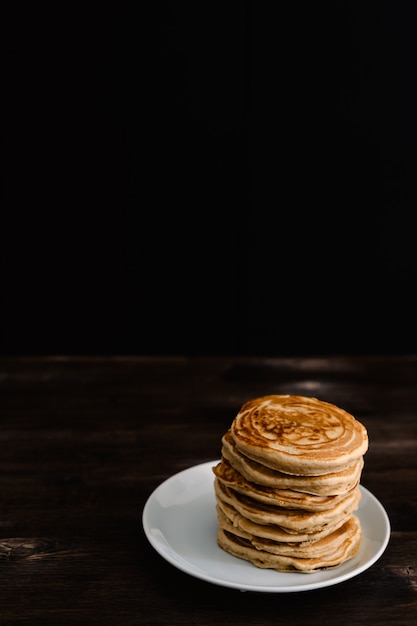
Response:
column 192, row 570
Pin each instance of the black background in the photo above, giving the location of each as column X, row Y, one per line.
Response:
column 209, row 178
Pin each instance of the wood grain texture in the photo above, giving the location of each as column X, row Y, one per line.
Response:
column 84, row 441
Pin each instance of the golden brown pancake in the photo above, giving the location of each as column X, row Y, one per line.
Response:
column 229, row 518
column 287, row 484
column 287, row 498
column 318, row 546
column 292, row 520
column 334, row 483
column 298, row 435
column 344, row 546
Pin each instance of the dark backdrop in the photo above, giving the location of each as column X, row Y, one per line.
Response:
column 209, row 178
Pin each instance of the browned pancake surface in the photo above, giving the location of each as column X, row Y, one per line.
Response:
column 292, row 520
column 334, row 483
column 298, row 435
column 287, row 498
column 344, row 548
column 287, row 484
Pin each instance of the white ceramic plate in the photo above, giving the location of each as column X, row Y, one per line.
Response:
column 180, row 522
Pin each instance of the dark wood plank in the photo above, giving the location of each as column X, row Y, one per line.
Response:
column 86, row 440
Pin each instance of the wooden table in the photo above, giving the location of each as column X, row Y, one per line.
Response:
column 85, row 441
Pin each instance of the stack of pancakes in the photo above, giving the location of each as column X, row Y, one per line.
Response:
column 287, row 484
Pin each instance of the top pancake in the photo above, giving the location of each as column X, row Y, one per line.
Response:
column 331, row 484
column 298, row 435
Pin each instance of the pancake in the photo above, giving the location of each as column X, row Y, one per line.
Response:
column 320, row 546
column 287, row 498
column 292, row 520
column 298, row 435
column 334, row 483
column 246, row 528
column 344, row 546
column 287, row 484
